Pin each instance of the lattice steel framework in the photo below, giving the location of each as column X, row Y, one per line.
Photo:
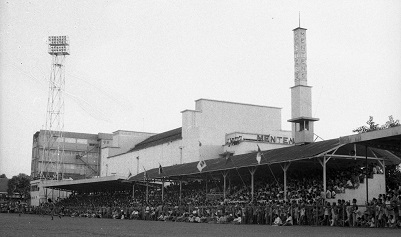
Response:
column 53, row 141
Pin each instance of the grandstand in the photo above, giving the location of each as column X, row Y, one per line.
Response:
column 338, row 182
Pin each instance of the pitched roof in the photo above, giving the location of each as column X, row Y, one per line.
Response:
column 88, row 185
column 279, row 155
column 158, row 139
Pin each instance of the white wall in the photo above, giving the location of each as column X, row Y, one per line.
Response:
column 376, row 186
column 166, row 154
column 212, row 120
column 190, row 135
column 208, row 123
column 122, row 142
column 41, row 196
column 125, row 140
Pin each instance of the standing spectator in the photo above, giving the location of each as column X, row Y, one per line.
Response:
column 334, row 214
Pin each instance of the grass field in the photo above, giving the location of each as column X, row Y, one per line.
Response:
column 34, row 225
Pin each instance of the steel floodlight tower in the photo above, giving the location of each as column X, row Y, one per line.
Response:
column 53, row 148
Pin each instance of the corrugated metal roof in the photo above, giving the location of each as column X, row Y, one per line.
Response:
column 391, row 158
column 245, row 160
column 89, row 185
column 158, row 139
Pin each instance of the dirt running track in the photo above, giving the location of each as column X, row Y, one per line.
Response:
column 34, row 225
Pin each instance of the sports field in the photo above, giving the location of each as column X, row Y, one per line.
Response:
column 34, row 225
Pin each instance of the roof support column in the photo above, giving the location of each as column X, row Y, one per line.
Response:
column 147, row 191
column 225, row 183
column 252, row 171
column 383, row 165
column 163, row 190
column 206, row 186
column 323, row 162
column 133, row 190
column 180, row 190
column 366, row 174
column 285, row 168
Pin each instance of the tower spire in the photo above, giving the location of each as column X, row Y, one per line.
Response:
column 301, row 93
column 299, row 19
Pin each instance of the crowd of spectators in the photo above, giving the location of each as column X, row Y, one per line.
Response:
column 383, row 211
column 306, row 202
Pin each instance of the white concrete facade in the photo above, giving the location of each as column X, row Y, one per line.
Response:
column 212, row 120
column 376, row 186
column 122, row 142
column 40, row 194
column 135, row 162
column 203, row 132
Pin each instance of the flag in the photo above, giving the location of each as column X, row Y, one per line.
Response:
column 129, row 175
column 259, row 155
column 201, row 165
column 160, row 169
column 228, row 157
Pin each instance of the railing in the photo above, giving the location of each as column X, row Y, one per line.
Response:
column 380, row 215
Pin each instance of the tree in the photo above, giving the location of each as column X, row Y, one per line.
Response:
column 393, row 176
column 391, row 122
column 19, row 185
column 393, row 173
column 3, row 176
column 372, row 126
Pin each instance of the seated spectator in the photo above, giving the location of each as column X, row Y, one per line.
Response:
column 392, row 222
column 349, row 184
column 288, row 221
column 277, row 221
column 237, row 220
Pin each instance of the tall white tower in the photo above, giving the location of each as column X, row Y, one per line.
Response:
column 53, row 150
column 301, row 93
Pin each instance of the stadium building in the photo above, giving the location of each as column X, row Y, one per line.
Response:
column 219, row 128
column 80, row 155
column 245, row 139
column 212, row 130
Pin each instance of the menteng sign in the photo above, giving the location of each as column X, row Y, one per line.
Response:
column 233, row 139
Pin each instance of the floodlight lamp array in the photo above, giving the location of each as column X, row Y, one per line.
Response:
column 59, row 45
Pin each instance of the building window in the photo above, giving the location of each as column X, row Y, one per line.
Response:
column 70, row 140
column 304, row 125
column 82, row 141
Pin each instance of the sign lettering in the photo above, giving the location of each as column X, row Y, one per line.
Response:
column 236, row 139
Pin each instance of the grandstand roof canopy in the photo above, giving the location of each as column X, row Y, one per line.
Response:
column 329, row 148
column 351, row 147
column 90, row 185
column 387, row 139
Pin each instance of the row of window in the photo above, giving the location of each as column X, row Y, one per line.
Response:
column 72, row 140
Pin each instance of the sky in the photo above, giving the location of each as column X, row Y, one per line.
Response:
column 135, row 65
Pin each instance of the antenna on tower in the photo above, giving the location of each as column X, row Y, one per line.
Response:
column 299, row 19
column 53, row 150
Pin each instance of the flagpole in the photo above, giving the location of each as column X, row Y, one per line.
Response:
column 268, row 165
column 147, row 191
column 180, row 190
column 133, row 190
